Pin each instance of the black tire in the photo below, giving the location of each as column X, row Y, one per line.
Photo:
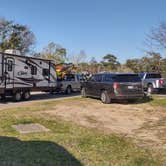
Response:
column 150, row 89
column 17, row 96
column 68, row 90
column 83, row 92
column 105, row 98
column 26, row 95
column 2, row 97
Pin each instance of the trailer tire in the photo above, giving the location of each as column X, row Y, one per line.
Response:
column 17, row 96
column 26, row 95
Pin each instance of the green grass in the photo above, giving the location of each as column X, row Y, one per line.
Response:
column 66, row 144
column 158, row 100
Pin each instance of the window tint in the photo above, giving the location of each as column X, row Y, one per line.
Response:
column 98, row 78
column 141, row 75
column 108, row 78
column 127, row 78
column 80, row 77
column 92, row 78
column 69, row 77
column 45, row 72
column 153, row 76
column 33, row 70
column 10, row 65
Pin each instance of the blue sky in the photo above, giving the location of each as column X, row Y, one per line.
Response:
column 96, row 26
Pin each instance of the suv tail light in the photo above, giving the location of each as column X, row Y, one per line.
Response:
column 115, row 85
column 161, row 82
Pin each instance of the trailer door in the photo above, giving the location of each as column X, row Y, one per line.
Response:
column 9, row 73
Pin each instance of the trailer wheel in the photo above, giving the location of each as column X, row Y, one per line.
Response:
column 17, row 96
column 68, row 90
column 26, row 95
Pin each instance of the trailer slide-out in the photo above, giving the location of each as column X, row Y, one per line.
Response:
column 19, row 75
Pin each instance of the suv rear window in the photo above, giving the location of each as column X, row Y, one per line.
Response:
column 127, row 78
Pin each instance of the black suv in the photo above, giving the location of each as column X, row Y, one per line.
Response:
column 108, row 86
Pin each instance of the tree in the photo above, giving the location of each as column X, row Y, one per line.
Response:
column 134, row 65
column 15, row 36
column 78, row 58
column 152, row 62
column 54, row 52
column 157, row 37
column 110, row 62
column 94, row 66
column 93, row 60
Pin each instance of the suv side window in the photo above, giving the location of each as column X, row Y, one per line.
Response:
column 98, row 78
column 92, row 78
column 108, row 78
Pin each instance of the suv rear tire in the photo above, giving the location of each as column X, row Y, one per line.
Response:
column 105, row 98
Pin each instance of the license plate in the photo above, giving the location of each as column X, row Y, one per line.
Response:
column 130, row 87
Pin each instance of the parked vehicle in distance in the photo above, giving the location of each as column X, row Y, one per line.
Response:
column 109, row 86
column 70, row 83
column 152, row 82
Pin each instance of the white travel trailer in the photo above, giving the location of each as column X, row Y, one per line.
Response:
column 19, row 75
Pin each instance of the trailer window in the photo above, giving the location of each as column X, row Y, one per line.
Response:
column 33, row 70
column 45, row 72
column 10, row 65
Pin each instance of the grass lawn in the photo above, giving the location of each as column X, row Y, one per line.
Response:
column 66, row 144
column 158, row 100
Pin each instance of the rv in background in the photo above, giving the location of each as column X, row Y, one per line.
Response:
column 19, row 75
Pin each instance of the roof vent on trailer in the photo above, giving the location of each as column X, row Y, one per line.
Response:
column 14, row 52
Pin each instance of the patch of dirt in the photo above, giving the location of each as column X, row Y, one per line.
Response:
column 140, row 121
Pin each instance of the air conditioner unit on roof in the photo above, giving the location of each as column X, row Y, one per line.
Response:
column 12, row 51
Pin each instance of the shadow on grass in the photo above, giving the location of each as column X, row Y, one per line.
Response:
column 41, row 96
column 162, row 92
column 145, row 99
column 14, row 152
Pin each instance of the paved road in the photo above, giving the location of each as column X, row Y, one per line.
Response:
column 36, row 97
